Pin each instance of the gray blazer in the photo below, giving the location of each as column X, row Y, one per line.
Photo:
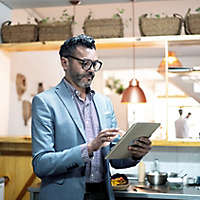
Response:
column 57, row 133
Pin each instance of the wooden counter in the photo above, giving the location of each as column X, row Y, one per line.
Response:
column 15, row 145
column 15, row 164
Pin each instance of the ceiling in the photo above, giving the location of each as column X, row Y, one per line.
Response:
column 15, row 4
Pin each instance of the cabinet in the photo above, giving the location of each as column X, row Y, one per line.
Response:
column 163, row 43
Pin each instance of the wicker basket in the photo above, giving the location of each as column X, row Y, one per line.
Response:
column 18, row 33
column 192, row 23
column 57, row 31
column 104, row 28
column 160, row 26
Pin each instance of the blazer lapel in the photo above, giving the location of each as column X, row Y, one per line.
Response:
column 67, row 99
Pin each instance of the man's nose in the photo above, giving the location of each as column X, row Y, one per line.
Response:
column 91, row 72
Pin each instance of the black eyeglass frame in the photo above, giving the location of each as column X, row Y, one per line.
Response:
column 82, row 62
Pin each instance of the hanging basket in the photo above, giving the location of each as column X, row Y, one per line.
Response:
column 160, row 26
column 104, row 28
column 55, row 31
column 18, row 33
column 192, row 23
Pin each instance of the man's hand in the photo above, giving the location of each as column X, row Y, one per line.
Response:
column 105, row 136
column 140, row 147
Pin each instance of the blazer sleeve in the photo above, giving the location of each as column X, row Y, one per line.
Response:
column 46, row 161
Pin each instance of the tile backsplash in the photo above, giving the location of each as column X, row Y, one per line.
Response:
column 182, row 160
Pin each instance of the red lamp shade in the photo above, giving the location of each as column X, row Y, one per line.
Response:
column 133, row 94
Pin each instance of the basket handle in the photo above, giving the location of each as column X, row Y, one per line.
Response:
column 178, row 16
column 140, row 24
column 36, row 20
column 188, row 12
column 186, row 25
column 6, row 23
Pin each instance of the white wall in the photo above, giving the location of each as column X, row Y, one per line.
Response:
column 5, row 14
column 182, row 160
column 5, row 92
column 4, row 77
column 36, row 67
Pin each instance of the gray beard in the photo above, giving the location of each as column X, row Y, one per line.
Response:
column 77, row 79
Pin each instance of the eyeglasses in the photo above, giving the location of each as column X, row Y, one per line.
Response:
column 87, row 64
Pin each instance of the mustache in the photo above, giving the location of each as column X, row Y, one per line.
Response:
column 92, row 74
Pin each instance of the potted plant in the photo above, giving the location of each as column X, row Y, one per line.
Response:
column 55, row 29
column 157, row 25
column 192, row 22
column 105, row 27
column 115, row 85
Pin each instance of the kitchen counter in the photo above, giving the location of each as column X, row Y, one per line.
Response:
column 138, row 191
column 146, row 192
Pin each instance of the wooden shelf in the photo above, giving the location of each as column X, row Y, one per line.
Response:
column 176, row 143
column 32, row 46
column 109, row 43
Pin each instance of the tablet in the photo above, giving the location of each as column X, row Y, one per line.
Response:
column 120, row 150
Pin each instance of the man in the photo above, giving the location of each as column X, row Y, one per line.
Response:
column 73, row 128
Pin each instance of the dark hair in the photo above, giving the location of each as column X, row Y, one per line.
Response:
column 70, row 45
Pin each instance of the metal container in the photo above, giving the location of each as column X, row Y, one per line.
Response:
column 157, row 178
column 2, row 188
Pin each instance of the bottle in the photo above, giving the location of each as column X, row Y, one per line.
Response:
column 156, row 165
column 141, row 172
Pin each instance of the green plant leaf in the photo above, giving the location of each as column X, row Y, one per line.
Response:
column 157, row 16
column 120, row 90
column 197, row 10
column 114, row 85
column 121, row 11
column 63, row 18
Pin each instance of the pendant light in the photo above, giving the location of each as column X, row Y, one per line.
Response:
column 134, row 93
column 173, row 61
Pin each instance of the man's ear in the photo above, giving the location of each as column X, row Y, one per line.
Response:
column 64, row 62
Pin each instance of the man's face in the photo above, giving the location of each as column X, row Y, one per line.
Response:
column 78, row 75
